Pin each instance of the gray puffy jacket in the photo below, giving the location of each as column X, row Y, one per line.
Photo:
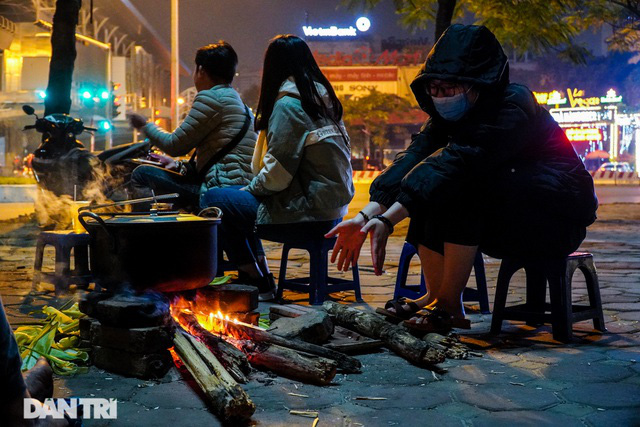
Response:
column 215, row 118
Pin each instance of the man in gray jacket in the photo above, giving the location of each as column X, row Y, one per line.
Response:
column 216, row 118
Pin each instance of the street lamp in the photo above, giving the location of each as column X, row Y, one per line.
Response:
column 175, row 64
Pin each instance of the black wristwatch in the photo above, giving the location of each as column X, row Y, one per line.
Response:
column 385, row 221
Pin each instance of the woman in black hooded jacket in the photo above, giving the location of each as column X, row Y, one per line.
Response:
column 490, row 169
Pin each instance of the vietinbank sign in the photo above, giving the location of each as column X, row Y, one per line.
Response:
column 362, row 26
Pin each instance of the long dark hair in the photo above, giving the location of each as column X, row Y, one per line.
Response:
column 286, row 56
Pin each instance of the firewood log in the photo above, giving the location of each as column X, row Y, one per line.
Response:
column 227, row 399
column 453, row 348
column 289, row 363
column 396, row 337
column 231, row 358
column 244, row 331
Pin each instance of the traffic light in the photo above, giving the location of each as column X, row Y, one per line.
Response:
column 104, row 126
column 116, row 101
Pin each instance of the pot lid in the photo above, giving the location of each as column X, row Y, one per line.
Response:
column 148, row 219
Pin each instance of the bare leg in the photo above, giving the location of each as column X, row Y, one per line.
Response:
column 458, row 262
column 432, row 269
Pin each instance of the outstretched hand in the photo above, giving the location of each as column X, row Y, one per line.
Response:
column 379, row 233
column 350, row 241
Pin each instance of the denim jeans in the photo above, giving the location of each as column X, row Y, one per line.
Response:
column 162, row 181
column 236, row 235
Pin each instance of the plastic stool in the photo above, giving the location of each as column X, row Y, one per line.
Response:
column 558, row 273
column 63, row 276
column 318, row 284
column 416, row 291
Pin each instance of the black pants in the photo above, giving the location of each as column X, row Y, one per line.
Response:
column 163, row 181
column 12, row 385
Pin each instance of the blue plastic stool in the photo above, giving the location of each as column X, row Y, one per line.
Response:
column 416, row 291
column 318, row 284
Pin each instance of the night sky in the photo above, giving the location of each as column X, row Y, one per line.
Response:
column 249, row 24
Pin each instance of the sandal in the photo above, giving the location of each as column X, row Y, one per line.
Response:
column 401, row 313
column 437, row 320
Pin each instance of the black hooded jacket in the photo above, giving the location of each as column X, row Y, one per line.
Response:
column 506, row 145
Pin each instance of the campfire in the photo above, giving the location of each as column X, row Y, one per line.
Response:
column 213, row 332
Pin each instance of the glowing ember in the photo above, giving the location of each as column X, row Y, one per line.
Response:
column 213, row 322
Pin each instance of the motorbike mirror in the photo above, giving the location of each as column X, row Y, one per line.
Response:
column 28, row 109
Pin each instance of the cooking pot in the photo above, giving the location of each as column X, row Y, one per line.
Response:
column 166, row 252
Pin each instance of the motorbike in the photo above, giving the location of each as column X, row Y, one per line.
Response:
column 62, row 165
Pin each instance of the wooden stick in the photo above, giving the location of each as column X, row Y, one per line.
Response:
column 244, row 331
column 228, row 400
column 231, row 358
column 289, row 363
column 396, row 337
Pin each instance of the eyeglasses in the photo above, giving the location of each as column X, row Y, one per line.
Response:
column 443, row 89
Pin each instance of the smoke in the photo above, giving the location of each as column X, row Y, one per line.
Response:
column 75, row 180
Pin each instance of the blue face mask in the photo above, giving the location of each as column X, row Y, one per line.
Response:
column 452, row 108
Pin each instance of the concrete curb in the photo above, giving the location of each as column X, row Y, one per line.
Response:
column 18, row 193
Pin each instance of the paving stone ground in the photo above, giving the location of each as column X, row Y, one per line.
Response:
column 523, row 378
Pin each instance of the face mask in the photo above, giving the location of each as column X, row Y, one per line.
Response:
column 452, row 108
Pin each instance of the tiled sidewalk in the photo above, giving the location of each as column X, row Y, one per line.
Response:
column 524, row 377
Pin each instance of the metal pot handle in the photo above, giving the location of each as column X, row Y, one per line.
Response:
column 101, row 223
column 206, row 212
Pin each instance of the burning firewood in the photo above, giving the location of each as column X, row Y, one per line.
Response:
column 231, row 358
column 228, row 400
column 396, row 337
column 243, row 331
column 289, row 363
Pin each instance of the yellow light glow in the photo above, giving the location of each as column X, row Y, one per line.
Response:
column 180, row 101
column 583, row 134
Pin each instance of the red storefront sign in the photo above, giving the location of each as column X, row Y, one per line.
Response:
column 361, row 74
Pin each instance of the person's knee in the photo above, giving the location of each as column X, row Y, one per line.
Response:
column 142, row 174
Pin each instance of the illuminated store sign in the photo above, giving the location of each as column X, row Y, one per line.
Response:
column 611, row 97
column 360, row 81
column 576, row 98
column 583, row 134
column 583, row 115
column 362, row 26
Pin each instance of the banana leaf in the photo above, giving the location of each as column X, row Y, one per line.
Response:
column 220, row 280
column 55, row 339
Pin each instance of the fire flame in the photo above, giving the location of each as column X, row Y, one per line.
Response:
column 216, row 323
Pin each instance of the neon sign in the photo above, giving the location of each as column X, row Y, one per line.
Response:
column 576, row 98
column 611, row 97
column 583, row 134
column 583, row 115
column 362, row 25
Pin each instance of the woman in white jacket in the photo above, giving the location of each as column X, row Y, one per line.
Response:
column 303, row 181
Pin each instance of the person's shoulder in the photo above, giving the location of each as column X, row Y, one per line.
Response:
column 521, row 96
column 288, row 105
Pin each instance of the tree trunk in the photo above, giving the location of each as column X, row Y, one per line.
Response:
column 444, row 16
column 63, row 55
column 289, row 363
column 396, row 337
